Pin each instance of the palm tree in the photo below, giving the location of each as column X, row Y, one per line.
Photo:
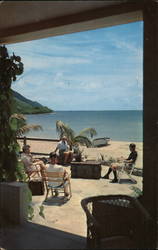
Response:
column 82, row 138
column 20, row 126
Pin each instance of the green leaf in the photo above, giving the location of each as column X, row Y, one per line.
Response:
column 14, row 124
column 3, row 98
column 30, row 212
column 41, row 208
column 17, row 147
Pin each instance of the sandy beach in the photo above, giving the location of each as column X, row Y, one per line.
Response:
column 115, row 149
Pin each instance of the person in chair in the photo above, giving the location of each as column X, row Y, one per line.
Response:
column 54, row 167
column 129, row 161
column 32, row 164
column 65, row 154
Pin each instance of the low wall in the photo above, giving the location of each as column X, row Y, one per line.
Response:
column 13, row 201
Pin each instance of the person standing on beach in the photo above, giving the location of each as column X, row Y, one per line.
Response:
column 65, row 154
column 129, row 161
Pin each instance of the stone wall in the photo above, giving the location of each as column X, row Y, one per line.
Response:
column 13, row 201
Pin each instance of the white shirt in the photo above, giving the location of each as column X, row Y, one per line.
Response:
column 55, row 168
column 63, row 146
column 29, row 165
column 27, row 160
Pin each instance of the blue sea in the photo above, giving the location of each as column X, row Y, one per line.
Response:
column 118, row 125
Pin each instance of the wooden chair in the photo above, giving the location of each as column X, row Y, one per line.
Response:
column 31, row 173
column 117, row 222
column 51, row 182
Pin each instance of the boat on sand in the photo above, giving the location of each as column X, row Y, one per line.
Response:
column 99, row 142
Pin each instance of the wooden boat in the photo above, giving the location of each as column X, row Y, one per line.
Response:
column 99, row 142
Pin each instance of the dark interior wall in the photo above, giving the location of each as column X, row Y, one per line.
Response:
column 150, row 73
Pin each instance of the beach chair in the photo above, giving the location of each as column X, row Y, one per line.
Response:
column 124, row 169
column 51, row 182
column 31, row 174
column 117, row 222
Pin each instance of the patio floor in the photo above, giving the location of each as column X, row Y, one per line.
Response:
column 64, row 226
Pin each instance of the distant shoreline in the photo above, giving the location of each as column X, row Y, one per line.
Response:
column 101, row 110
column 39, row 113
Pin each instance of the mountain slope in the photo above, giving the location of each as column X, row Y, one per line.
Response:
column 26, row 106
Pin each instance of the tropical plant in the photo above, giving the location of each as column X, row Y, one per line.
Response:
column 83, row 138
column 10, row 67
column 10, row 168
column 137, row 192
column 30, row 207
column 20, row 123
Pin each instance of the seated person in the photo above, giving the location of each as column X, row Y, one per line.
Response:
column 31, row 165
column 53, row 167
column 65, row 154
column 129, row 161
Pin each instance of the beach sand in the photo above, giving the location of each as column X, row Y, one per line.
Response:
column 69, row 216
column 115, row 149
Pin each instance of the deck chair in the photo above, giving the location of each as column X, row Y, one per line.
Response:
column 31, row 174
column 51, row 178
column 125, row 170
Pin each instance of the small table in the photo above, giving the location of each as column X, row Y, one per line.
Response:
column 86, row 169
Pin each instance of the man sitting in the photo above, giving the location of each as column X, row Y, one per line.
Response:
column 129, row 161
column 53, row 167
column 65, row 154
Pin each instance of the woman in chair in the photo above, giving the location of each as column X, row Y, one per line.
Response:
column 129, row 161
column 31, row 165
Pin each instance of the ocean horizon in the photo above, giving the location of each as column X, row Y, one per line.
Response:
column 119, row 125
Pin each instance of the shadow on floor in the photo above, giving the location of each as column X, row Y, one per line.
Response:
column 127, row 181
column 55, row 201
column 34, row 236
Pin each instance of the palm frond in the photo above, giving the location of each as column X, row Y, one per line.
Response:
column 88, row 132
column 18, row 117
column 64, row 129
column 82, row 140
column 25, row 129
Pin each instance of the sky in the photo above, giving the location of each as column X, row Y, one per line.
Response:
column 92, row 70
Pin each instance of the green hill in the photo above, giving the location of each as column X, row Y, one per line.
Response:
column 25, row 106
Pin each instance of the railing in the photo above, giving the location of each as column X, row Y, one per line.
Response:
column 25, row 140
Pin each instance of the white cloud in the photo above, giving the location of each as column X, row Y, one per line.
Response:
column 95, row 69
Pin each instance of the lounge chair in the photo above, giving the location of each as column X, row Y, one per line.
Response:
column 51, row 182
column 117, row 222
